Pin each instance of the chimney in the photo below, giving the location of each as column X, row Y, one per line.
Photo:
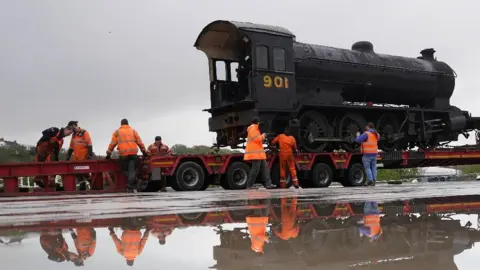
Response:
column 427, row 54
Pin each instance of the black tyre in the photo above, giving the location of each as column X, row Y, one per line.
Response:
column 152, row 186
column 321, row 176
column 190, row 176
column 173, row 183
column 275, row 175
column 355, row 176
column 236, row 176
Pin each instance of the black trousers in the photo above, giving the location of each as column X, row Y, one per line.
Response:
column 129, row 166
column 259, row 166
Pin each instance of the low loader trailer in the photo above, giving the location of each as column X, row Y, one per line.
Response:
column 198, row 172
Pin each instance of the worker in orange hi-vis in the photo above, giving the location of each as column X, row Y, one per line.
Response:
column 255, row 153
column 127, row 140
column 158, row 148
column 288, row 146
column 289, row 227
column 81, row 148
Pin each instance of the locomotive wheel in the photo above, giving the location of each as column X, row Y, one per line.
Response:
column 313, row 125
column 387, row 126
column 347, row 127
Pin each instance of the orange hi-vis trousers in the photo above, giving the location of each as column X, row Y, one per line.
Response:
column 287, row 162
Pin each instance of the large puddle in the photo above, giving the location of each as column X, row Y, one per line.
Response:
column 265, row 233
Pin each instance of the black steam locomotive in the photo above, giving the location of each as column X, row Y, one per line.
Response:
column 326, row 95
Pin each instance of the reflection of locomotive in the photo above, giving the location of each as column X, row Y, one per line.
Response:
column 332, row 92
column 408, row 241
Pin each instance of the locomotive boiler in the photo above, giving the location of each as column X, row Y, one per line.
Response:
column 325, row 95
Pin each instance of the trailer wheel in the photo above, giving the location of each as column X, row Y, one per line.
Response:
column 190, row 176
column 275, row 174
column 237, row 176
column 152, row 186
column 321, row 175
column 355, row 176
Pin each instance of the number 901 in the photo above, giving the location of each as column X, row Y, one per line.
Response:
column 277, row 81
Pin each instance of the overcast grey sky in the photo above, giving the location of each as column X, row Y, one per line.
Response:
column 98, row 61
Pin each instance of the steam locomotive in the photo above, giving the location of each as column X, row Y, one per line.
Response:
column 325, row 95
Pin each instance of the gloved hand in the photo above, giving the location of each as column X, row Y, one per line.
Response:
column 358, row 134
column 108, row 156
column 111, row 230
column 145, row 154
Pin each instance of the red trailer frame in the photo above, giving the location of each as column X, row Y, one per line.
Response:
column 197, row 172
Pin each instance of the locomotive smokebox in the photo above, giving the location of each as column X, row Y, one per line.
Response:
column 363, row 46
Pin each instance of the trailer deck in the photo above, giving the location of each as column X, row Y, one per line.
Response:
column 198, row 172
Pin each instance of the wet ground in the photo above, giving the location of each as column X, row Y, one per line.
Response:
column 415, row 226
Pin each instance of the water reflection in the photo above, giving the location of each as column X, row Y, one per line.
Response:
column 264, row 234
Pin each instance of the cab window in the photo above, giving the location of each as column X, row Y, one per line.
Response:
column 261, row 53
column 278, row 59
column 221, row 73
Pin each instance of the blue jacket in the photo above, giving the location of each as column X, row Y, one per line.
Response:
column 363, row 137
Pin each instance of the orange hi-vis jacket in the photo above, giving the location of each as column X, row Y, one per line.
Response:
column 287, row 144
column 370, row 146
column 79, row 144
column 290, row 228
column 257, row 227
column 373, row 222
column 155, row 150
column 132, row 243
column 127, row 141
column 254, row 149
column 86, row 242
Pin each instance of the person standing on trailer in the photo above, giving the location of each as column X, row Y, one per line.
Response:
column 369, row 146
column 255, row 153
column 81, row 148
column 288, row 146
column 158, row 148
column 127, row 141
column 49, row 146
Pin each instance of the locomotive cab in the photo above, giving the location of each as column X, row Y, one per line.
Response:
column 251, row 74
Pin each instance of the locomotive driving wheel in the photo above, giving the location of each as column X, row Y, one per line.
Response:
column 347, row 127
column 387, row 126
column 313, row 125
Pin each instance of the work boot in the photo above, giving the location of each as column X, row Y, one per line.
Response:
column 271, row 186
column 163, row 189
column 372, row 183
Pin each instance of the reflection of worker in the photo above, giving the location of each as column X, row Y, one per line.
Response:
column 132, row 243
column 127, row 141
column 289, row 228
column 288, row 145
column 255, row 153
column 49, row 145
column 257, row 221
column 81, row 148
column 161, row 233
column 54, row 245
column 371, row 222
column 85, row 240
column 369, row 140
